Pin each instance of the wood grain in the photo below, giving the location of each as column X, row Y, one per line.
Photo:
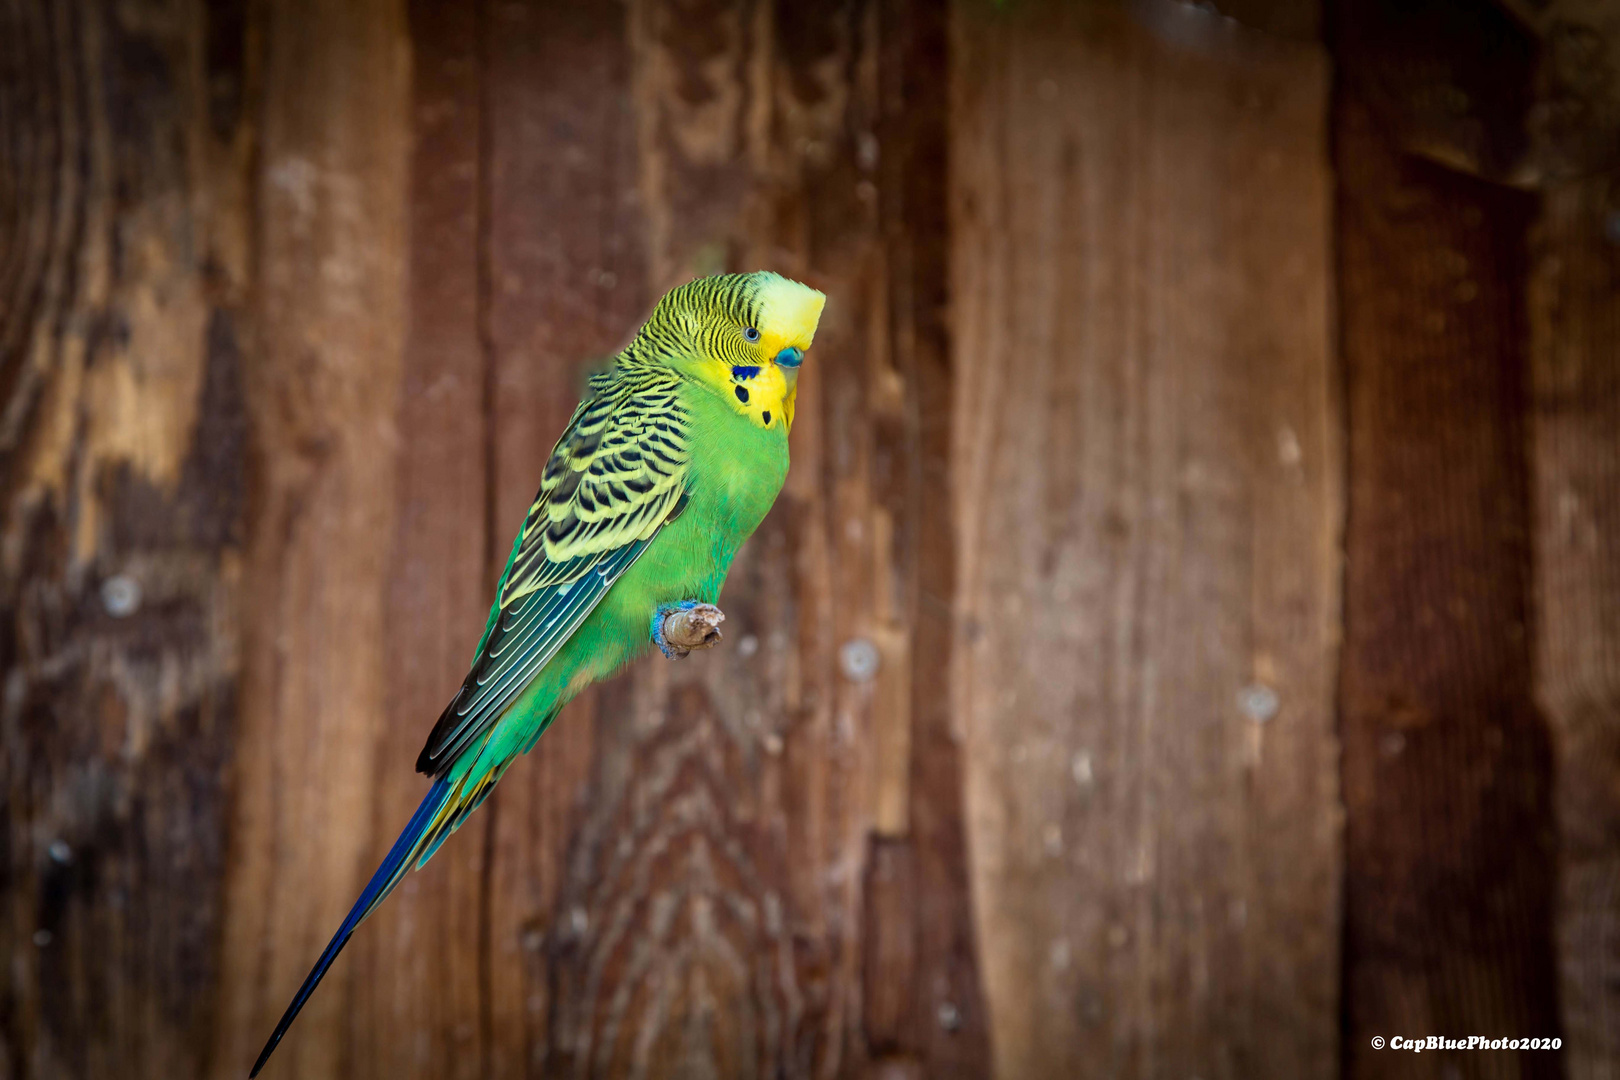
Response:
column 1148, row 504
column 1575, row 415
column 416, row 971
column 122, row 276
column 295, row 297
column 565, row 288
column 1447, row 762
column 322, row 387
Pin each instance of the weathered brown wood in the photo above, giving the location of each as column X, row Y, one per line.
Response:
column 566, row 287
column 1149, row 509
column 418, row 990
column 1575, row 370
column 322, row 390
column 1575, row 444
column 1447, row 763
column 1443, row 80
column 294, row 298
column 122, row 270
column 944, row 1029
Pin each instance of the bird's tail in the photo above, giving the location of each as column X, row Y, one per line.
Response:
column 427, row 829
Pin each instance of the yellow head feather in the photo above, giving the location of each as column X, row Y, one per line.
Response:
column 789, row 313
column 742, row 335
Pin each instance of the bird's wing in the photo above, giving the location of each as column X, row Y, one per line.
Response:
column 616, row 477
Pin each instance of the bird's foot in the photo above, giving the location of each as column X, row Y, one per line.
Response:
column 678, row 629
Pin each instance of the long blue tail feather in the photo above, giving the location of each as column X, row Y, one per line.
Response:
column 377, row 889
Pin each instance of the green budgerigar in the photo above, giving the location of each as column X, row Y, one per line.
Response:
column 666, row 467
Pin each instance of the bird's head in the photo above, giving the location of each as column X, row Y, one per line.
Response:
column 742, row 335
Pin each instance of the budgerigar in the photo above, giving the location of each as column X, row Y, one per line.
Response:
column 666, row 467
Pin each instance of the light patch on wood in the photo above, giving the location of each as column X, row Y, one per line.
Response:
column 891, row 733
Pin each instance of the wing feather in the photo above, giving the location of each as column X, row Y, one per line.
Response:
column 615, row 478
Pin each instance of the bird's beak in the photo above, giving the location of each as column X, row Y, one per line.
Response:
column 789, row 360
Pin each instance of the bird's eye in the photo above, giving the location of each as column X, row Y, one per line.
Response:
column 751, row 334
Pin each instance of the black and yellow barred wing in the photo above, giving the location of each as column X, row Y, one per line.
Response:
column 611, row 481
column 615, row 478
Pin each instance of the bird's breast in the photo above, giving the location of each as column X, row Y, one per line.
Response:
column 738, row 466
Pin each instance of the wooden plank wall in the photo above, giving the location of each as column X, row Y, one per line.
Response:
column 1574, row 390
column 1448, row 928
column 1022, row 755
column 1148, row 498
column 125, row 329
column 329, row 267
column 1477, row 696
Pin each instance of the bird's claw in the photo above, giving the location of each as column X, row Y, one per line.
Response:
column 682, row 628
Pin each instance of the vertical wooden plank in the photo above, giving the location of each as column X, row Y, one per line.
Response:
column 1148, row 511
column 918, row 898
column 123, row 232
column 1576, row 415
column 566, row 280
column 322, row 392
column 1575, row 446
column 417, row 993
column 1447, row 764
